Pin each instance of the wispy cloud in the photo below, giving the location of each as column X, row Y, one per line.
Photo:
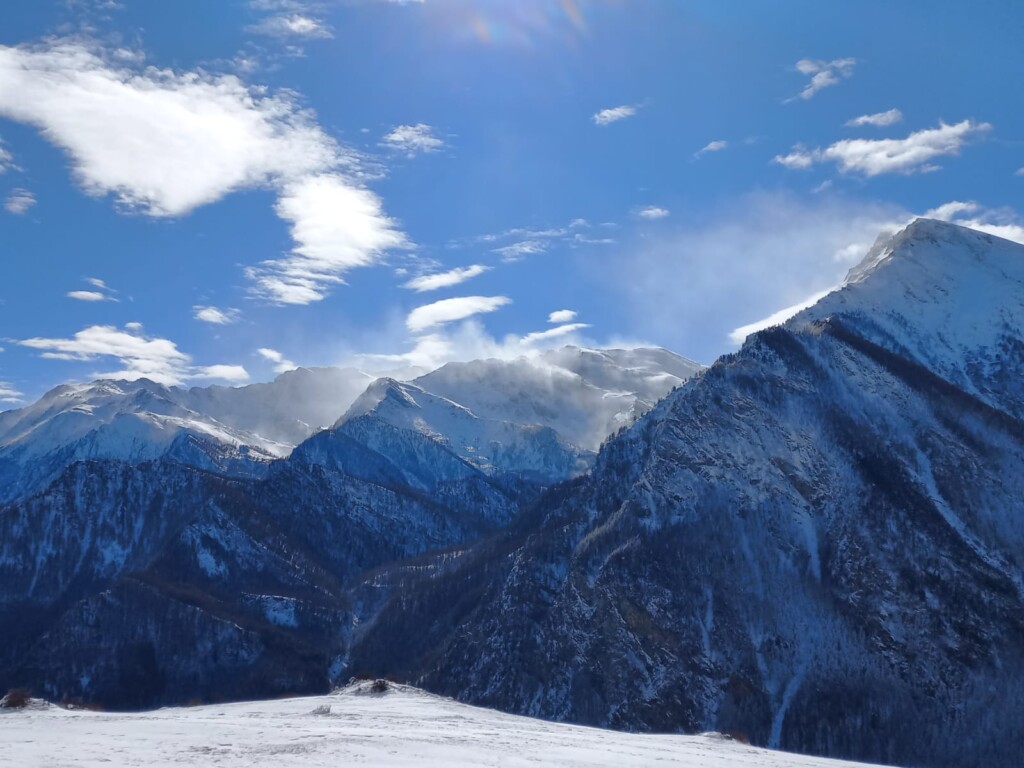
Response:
column 553, row 333
column 215, row 316
column 711, row 146
column 19, row 201
column 6, row 158
column 450, row 310
column 529, row 241
column 138, row 355
column 516, row 251
column 653, row 212
column 411, row 140
column 292, row 25
column 562, row 316
column 1001, row 222
column 281, row 363
column 873, row 157
column 88, row 296
column 614, row 114
column 742, row 261
column 880, row 119
column 447, row 279
column 8, row 393
column 823, row 74
column 164, row 143
column 102, row 292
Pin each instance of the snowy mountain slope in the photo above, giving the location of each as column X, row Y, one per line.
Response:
column 584, row 395
column 353, row 726
column 818, row 543
column 946, row 297
column 130, row 502
column 124, row 421
column 238, row 430
column 288, row 409
column 489, row 445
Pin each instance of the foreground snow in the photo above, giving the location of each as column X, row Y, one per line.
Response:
column 403, row 727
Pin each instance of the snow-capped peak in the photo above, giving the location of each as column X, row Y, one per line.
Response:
column 947, row 297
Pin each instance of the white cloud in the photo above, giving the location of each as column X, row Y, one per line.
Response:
column 872, row 157
column 450, row 310
column 19, row 201
column 89, row 296
column 553, row 333
column 231, row 373
column 281, row 364
column 712, row 146
column 653, row 212
column 516, row 251
column 411, row 140
column 292, row 25
column 889, row 117
column 161, row 141
column 336, row 227
column 138, row 355
column 467, row 340
column 531, row 241
column 562, row 316
column 8, row 394
column 614, row 114
column 444, row 279
column 823, row 74
column 6, row 159
column 215, row 316
column 1020, row 172
column 103, row 293
column 1002, row 222
column 165, row 142
column 799, row 157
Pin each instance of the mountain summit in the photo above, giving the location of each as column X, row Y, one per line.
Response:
column 818, row 543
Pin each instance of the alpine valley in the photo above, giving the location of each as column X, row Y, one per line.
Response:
column 817, row 542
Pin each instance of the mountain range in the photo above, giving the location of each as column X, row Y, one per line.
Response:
column 817, row 542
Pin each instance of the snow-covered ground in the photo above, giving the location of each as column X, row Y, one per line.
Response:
column 403, row 727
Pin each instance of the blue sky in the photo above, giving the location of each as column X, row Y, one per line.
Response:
column 214, row 191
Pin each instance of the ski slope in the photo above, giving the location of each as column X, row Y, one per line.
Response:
column 402, row 727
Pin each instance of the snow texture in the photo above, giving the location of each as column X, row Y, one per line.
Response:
column 401, row 727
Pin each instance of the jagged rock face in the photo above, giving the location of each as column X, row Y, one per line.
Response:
column 818, row 543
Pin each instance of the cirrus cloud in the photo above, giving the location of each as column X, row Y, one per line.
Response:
column 450, row 310
column 880, row 119
column 412, row 140
column 8, row 393
column 614, row 114
column 447, row 279
column 215, row 316
column 823, row 74
column 19, row 201
column 873, row 157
